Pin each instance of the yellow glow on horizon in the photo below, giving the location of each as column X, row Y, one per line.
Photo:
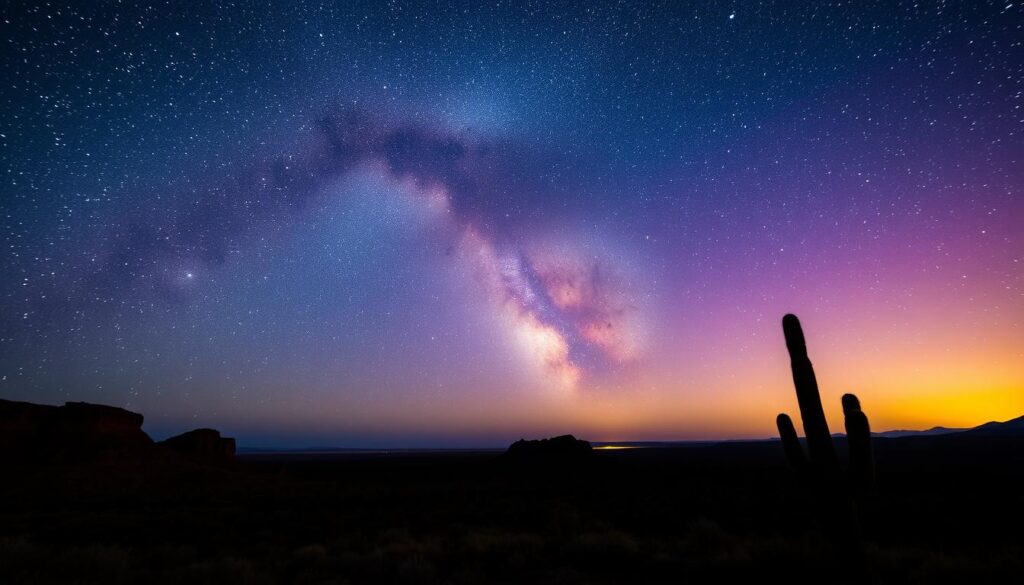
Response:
column 693, row 393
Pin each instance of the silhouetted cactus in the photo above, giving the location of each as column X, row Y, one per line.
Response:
column 858, row 438
column 820, row 468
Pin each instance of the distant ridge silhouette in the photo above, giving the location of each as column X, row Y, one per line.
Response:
column 934, row 431
column 1010, row 428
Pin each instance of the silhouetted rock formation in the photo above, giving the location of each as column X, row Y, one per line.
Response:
column 556, row 449
column 203, row 444
column 77, row 431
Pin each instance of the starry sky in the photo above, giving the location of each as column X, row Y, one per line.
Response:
column 438, row 224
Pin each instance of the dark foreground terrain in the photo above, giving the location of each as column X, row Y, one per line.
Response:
column 949, row 509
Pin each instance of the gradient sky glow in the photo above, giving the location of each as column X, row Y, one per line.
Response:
column 459, row 223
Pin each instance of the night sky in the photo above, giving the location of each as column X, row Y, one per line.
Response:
column 456, row 224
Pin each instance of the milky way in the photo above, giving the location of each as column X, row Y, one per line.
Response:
column 429, row 224
column 551, row 297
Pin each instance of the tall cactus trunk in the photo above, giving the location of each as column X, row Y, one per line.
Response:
column 819, row 440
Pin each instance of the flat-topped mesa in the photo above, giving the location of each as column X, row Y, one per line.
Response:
column 99, row 420
column 202, row 444
column 77, row 431
column 562, row 448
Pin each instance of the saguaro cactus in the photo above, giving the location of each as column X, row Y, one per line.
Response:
column 819, row 441
column 820, row 468
column 858, row 437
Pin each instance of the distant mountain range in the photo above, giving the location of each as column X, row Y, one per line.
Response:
column 1011, row 428
column 925, row 433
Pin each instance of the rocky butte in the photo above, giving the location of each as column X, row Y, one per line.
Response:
column 79, row 432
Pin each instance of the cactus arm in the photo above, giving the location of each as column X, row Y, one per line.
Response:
column 858, row 433
column 819, row 440
column 790, row 443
